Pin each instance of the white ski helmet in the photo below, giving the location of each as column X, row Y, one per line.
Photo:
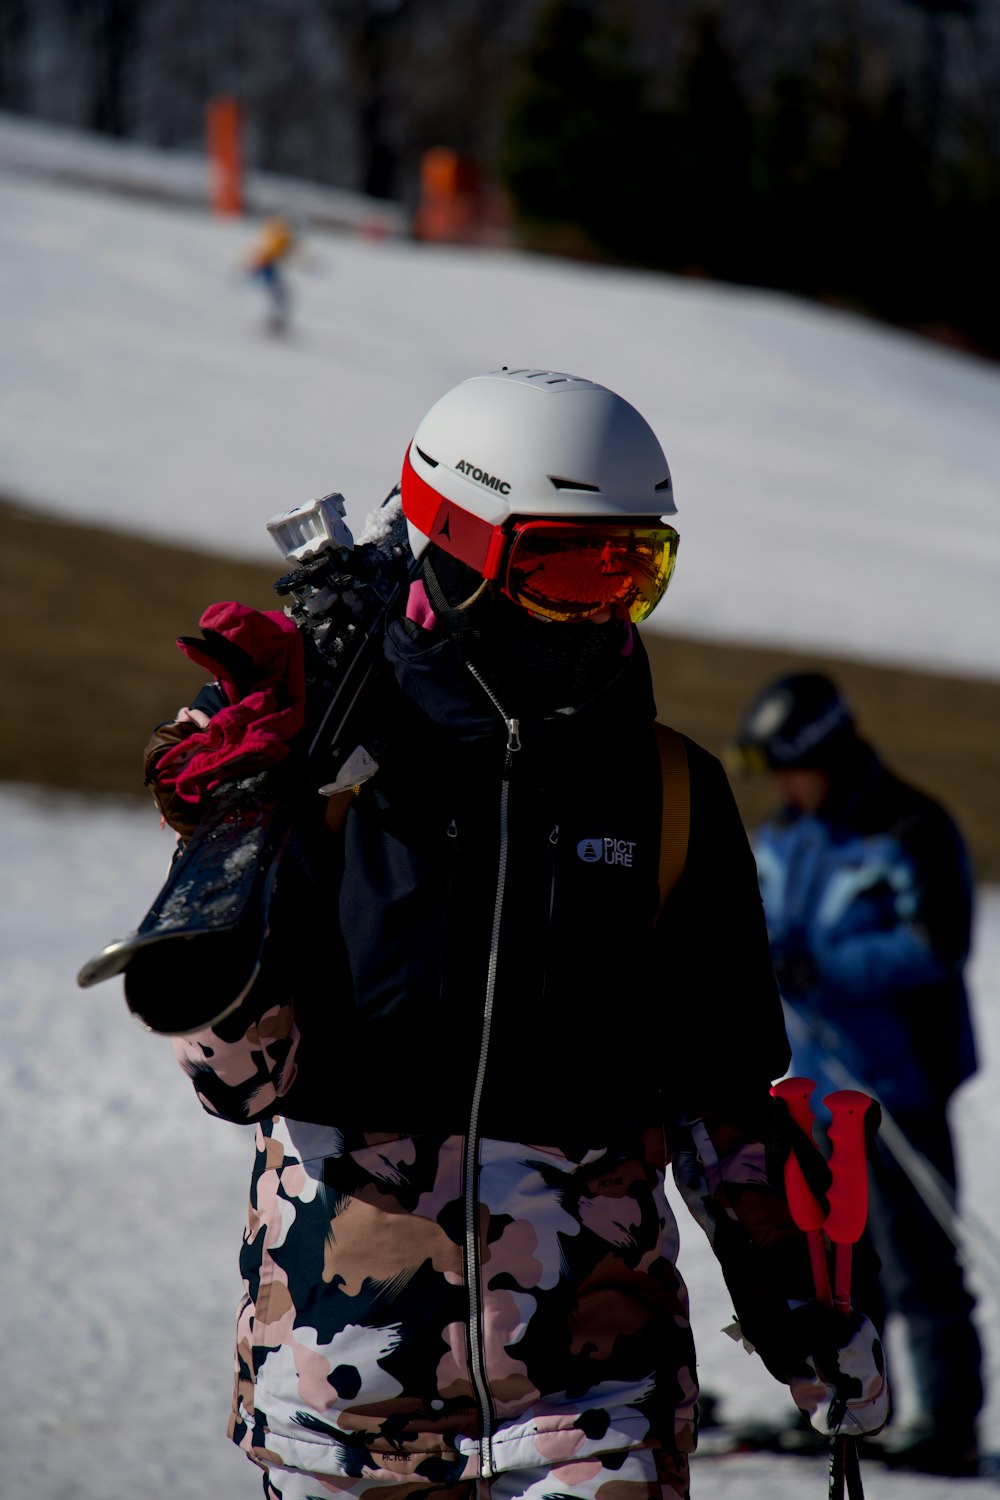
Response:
column 530, row 443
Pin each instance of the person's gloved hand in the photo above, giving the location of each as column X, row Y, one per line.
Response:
column 259, row 660
column 841, row 1383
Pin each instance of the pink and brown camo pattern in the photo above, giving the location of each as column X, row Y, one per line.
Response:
column 353, row 1358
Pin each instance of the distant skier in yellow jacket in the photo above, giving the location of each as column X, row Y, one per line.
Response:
column 264, row 262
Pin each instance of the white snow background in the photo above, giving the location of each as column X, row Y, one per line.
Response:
column 837, row 488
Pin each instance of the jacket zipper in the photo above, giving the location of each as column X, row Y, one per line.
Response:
column 451, row 834
column 477, row 1359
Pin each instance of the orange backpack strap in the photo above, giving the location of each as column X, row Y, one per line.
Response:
column 676, row 808
column 337, row 807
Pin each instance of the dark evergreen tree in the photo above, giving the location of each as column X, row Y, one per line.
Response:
column 705, row 172
column 582, row 149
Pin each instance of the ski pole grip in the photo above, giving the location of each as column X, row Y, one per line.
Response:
column 853, row 1113
column 808, row 1213
column 848, row 1194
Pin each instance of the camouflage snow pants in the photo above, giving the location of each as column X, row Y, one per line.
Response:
column 640, row 1474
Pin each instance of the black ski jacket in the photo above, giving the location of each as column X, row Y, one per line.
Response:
column 532, row 870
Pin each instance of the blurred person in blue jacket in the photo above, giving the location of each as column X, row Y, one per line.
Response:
column 867, row 890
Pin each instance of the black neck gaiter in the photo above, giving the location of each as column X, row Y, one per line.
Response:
column 536, row 666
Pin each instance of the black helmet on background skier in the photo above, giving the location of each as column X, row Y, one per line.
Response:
column 796, row 722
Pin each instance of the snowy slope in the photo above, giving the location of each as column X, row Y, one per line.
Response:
column 837, row 482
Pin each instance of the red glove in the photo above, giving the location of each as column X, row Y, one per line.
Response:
column 257, row 656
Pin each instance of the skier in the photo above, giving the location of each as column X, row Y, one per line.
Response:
column 265, row 262
column 867, row 892
column 470, row 1074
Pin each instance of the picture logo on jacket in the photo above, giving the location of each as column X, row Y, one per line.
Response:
column 607, row 851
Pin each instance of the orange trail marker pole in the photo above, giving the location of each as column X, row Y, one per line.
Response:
column 223, row 124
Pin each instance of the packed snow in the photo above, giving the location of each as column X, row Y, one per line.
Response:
column 836, row 485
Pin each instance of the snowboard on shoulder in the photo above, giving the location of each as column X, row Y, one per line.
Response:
column 197, row 951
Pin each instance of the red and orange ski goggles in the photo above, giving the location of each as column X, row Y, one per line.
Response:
column 561, row 570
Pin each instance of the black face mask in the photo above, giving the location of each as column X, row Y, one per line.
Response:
column 537, row 666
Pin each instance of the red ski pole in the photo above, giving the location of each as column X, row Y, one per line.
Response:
column 843, row 1222
column 809, row 1215
column 853, row 1115
column 848, row 1195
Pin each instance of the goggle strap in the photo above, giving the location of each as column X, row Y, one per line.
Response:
column 448, row 614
